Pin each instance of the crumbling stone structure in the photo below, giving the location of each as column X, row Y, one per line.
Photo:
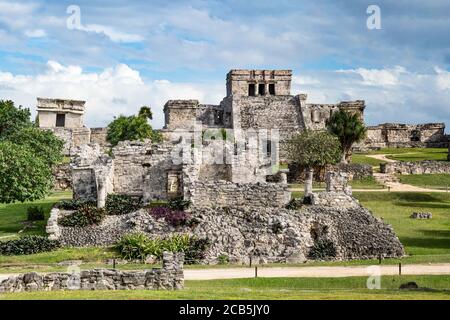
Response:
column 169, row 277
column 397, row 135
column 66, row 119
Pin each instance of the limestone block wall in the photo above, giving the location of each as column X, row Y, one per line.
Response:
column 169, row 277
column 228, row 194
column 98, row 135
column 62, row 177
column 419, row 167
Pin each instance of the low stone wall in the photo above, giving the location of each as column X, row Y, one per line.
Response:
column 263, row 234
column 296, row 173
column 169, row 277
column 62, row 177
column 227, row 194
column 419, row 167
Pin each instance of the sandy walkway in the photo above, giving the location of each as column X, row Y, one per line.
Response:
column 381, row 157
column 313, row 272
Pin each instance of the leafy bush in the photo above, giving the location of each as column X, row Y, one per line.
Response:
column 35, row 213
column 133, row 246
column 117, row 204
column 139, row 246
column 28, row 245
column 85, row 215
column 294, row 204
column 174, row 217
column 223, row 259
column 75, row 204
column 323, row 249
column 179, row 204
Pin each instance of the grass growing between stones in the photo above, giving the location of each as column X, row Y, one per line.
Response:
column 271, row 288
column 430, row 181
column 13, row 217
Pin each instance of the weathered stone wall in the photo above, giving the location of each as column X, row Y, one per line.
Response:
column 263, row 234
column 169, row 277
column 356, row 171
column 337, row 182
column 98, row 135
column 238, row 81
column 227, row 194
column 397, row 135
column 419, row 167
column 62, row 177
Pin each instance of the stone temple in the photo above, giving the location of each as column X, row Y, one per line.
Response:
column 225, row 159
column 238, row 141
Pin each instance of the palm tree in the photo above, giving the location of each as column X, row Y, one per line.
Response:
column 349, row 129
column 146, row 112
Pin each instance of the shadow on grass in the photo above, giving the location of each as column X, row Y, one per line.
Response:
column 433, row 243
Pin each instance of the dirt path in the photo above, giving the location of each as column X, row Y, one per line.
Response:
column 381, row 157
column 310, row 272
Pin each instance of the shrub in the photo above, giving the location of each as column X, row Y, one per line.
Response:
column 179, row 204
column 196, row 250
column 294, row 204
column 85, row 215
column 223, row 259
column 74, row 204
column 323, row 249
column 35, row 213
column 174, row 218
column 28, row 245
column 133, row 246
column 117, row 204
column 139, row 246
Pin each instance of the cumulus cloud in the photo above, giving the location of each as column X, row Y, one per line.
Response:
column 113, row 91
column 378, row 77
column 36, row 33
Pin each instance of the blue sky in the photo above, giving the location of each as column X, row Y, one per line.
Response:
column 129, row 53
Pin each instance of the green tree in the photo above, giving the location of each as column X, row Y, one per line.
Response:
column 43, row 143
column 312, row 149
column 146, row 112
column 132, row 128
column 349, row 129
column 12, row 118
column 23, row 176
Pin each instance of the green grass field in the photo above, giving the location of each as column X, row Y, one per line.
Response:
column 402, row 154
column 13, row 216
column 420, row 237
column 271, row 288
column 430, row 181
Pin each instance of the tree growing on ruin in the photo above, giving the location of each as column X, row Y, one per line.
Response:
column 313, row 149
column 133, row 127
column 349, row 128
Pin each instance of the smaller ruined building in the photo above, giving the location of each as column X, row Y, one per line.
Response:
column 66, row 119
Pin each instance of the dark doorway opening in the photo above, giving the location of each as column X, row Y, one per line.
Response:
column 272, row 89
column 60, row 120
column 251, row 89
column 262, row 89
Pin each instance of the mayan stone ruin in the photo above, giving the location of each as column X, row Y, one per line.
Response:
column 225, row 159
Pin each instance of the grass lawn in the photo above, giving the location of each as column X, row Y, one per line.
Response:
column 365, row 183
column 364, row 159
column 13, row 216
column 420, row 237
column 271, row 288
column 431, row 181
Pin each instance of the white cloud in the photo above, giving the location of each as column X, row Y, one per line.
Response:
column 378, row 77
column 36, row 33
column 443, row 78
column 113, row 91
column 111, row 33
